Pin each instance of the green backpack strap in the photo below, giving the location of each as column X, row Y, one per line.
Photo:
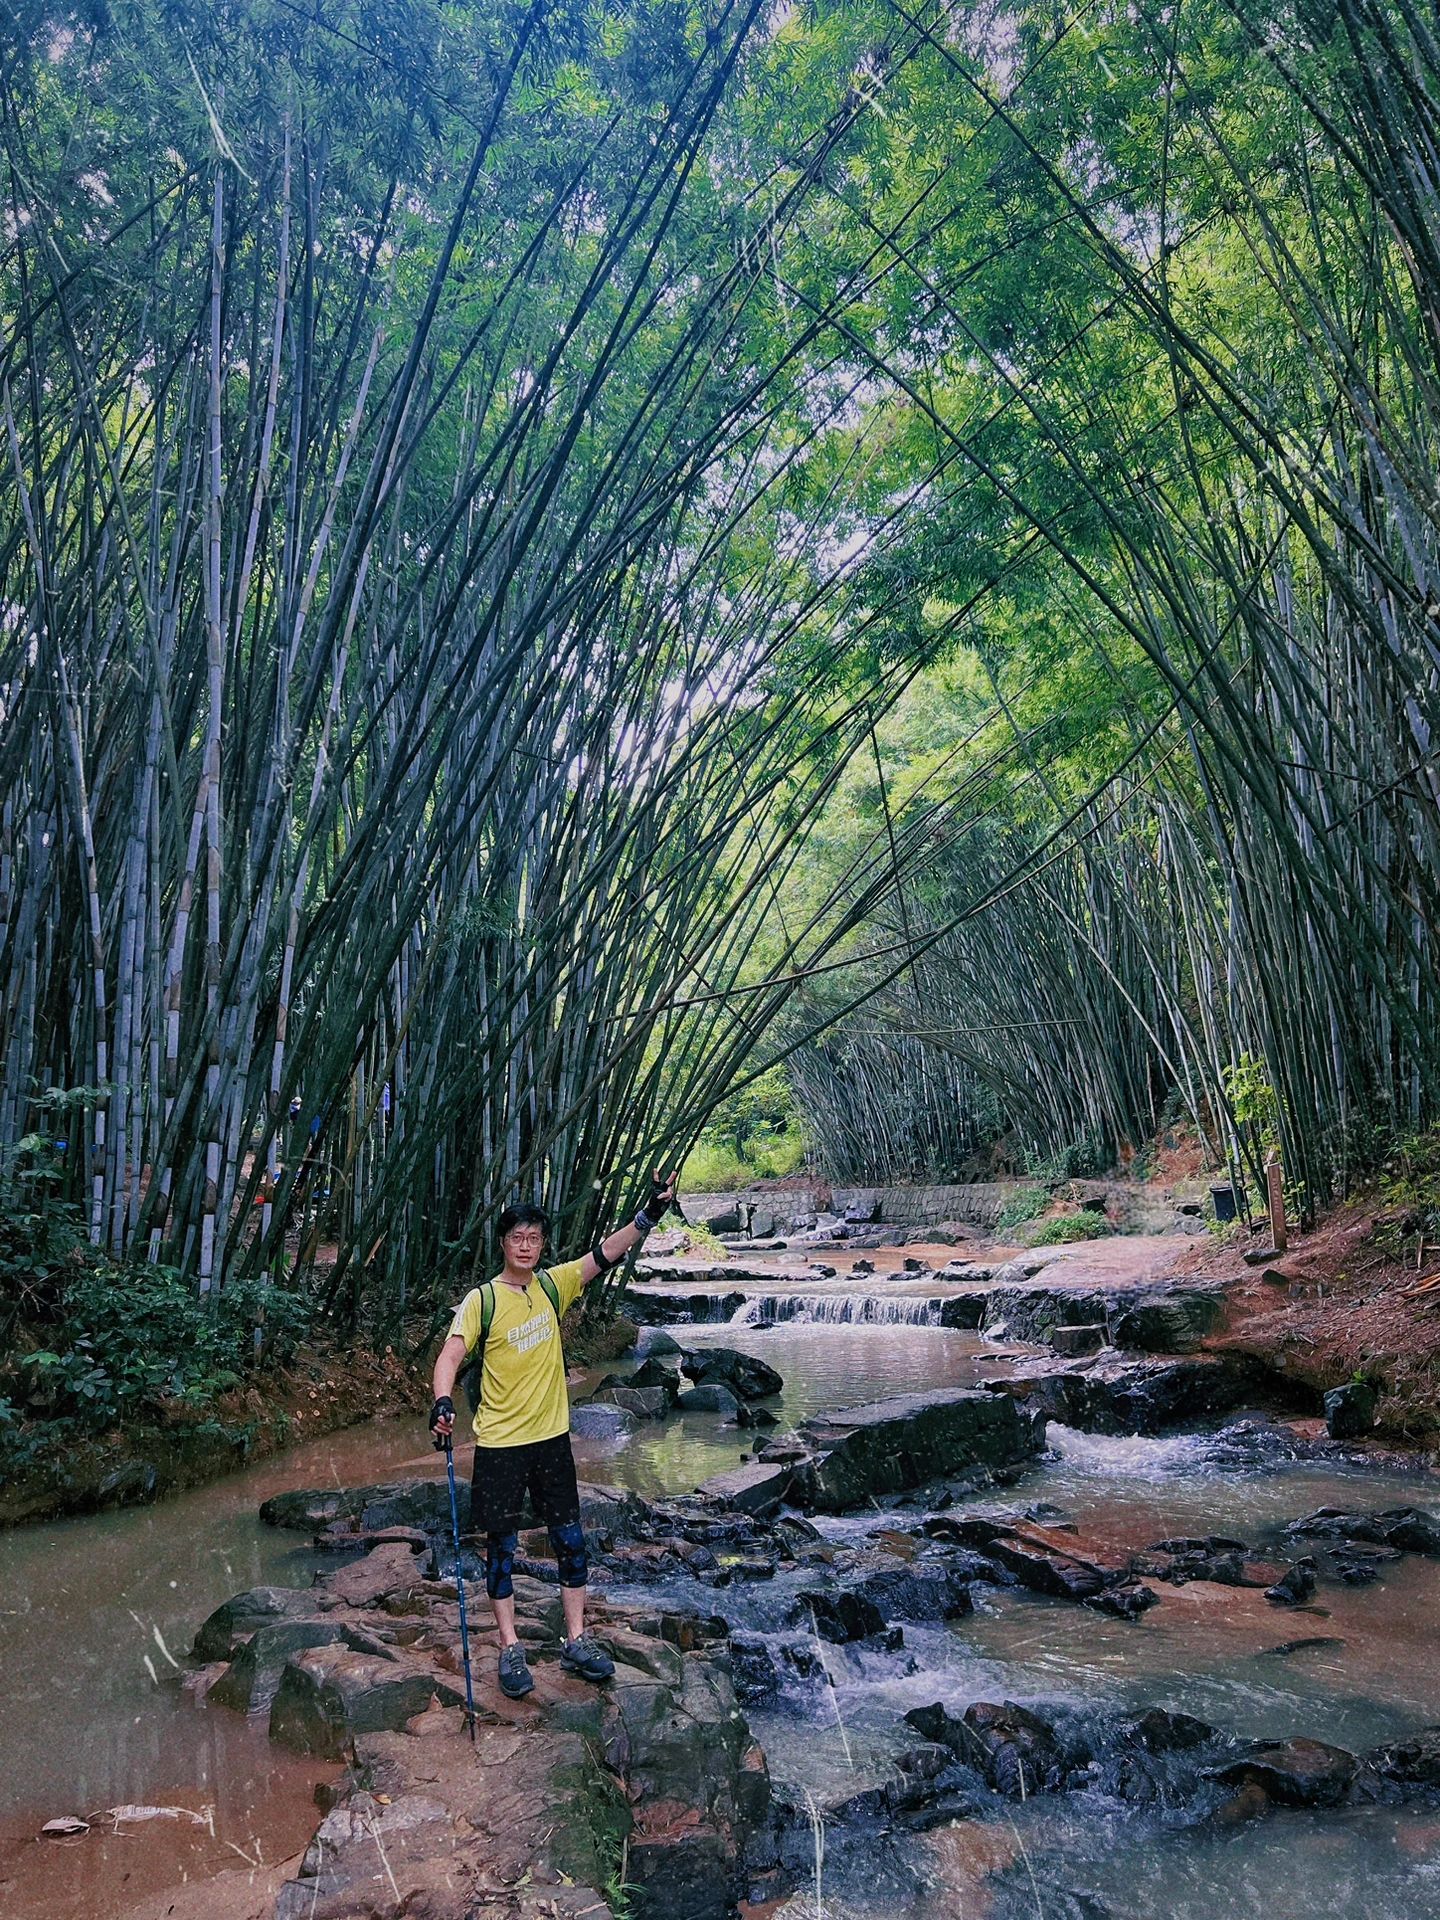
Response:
column 551, row 1291
column 472, row 1371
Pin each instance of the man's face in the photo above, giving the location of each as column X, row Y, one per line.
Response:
column 523, row 1246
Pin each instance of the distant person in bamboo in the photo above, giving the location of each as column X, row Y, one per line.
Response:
column 522, row 1423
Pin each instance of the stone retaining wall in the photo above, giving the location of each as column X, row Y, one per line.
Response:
column 979, row 1203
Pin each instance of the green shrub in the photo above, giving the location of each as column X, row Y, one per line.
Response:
column 1069, row 1226
column 1026, row 1203
column 96, row 1342
column 714, row 1169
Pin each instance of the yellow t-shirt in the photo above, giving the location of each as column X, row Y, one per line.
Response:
column 522, row 1380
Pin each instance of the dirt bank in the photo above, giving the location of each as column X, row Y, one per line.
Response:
column 1342, row 1303
column 323, row 1390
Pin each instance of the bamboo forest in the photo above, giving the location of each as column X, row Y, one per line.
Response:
column 792, row 646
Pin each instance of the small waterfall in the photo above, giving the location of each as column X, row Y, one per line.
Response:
column 839, row 1310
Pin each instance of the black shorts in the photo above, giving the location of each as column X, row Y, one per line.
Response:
column 502, row 1476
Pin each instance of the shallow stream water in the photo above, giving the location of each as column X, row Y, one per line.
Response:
column 93, row 1611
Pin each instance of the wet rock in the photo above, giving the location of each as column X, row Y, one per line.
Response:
column 651, row 1341
column 838, row 1615
column 1411, row 1765
column 1044, row 1569
column 1216, row 1558
column 1360, row 1566
column 646, row 1403
column 1307, row 1643
column 758, row 1488
column 971, row 1270
column 1173, row 1321
column 1027, row 1557
column 921, row 1591
column 387, row 1570
column 697, row 1785
column 892, row 1445
column 710, row 1397
column 1015, row 1749
column 1293, row 1773
column 252, row 1679
column 1161, row 1731
column 753, row 1671
column 1073, row 1341
column 745, row 1376
column 307, row 1509
column 406, row 1503
column 1113, row 1395
column 659, row 1371
column 1125, row 1602
column 655, row 1308
column 1349, row 1410
column 227, row 1629
column 1405, row 1528
column 592, row 1422
column 341, row 1853
column 1294, row 1588
column 329, row 1694
column 1158, row 1759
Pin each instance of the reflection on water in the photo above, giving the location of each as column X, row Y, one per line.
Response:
column 823, row 1366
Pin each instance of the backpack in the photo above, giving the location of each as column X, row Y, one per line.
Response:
column 470, row 1375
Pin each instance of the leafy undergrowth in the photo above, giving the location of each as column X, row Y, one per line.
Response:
column 1062, row 1228
column 119, row 1381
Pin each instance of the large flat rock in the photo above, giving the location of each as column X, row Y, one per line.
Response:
column 891, row 1445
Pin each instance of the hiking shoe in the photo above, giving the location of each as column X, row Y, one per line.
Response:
column 586, row 1657
column 516, row 1679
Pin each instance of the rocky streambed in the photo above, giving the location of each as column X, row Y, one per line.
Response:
column 1051, row 1631
column 797, row 1702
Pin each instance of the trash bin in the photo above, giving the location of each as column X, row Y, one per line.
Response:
column 1223, row 1201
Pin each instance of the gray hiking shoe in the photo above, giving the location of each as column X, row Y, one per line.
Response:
column 516, row 1680
column 586, row 1657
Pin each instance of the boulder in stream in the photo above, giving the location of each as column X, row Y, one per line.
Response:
column 1408, row 1768
column 1292, row 1773
column 891, row 1445
column 837, row 1614
column 1295, row 1586
column 594, row 1421
column 745, row 1376
column 1405, row 1528
column 710, row 1397
column 1014, row 1749
column 329, row 1694
column 1350, row 1410
column 652, row 1341
column 226, row 1630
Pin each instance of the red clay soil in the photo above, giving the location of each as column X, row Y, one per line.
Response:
column 1340, row 1304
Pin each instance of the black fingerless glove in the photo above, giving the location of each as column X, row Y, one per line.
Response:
column 655, row 1208
column 438, row 1412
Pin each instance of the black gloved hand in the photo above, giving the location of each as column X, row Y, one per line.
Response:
column 442, row 1411
column 659, row 1202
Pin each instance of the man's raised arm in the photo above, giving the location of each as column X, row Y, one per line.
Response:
column 610, row 1251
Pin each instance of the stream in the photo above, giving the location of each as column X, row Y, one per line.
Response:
column 96, row 1613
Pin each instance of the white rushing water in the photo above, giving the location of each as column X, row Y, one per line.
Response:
column 838, row 1310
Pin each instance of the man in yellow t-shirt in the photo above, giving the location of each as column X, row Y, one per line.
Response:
column 522, row 1427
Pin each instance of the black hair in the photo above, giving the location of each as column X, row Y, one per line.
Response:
column 527, row 1214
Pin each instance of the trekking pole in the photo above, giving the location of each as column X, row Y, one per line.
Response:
column 448, row 1444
